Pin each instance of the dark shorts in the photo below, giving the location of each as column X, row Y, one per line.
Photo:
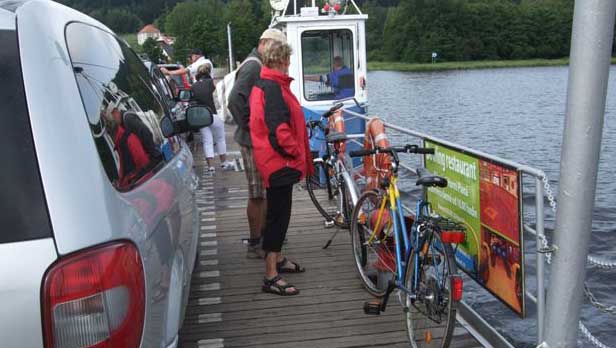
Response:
column 256, row 188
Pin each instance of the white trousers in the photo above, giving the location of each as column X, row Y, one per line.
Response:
column 214, row 136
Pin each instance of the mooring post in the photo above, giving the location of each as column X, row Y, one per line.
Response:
column 591, row 48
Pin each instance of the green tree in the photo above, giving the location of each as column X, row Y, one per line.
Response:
column 245, row 32
column 120, row 20
column 153, row 50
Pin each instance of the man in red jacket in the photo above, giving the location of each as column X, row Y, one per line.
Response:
column 282, row 155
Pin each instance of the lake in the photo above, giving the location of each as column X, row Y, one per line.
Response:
column 517, row 114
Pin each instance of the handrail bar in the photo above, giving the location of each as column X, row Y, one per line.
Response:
column 522, row 167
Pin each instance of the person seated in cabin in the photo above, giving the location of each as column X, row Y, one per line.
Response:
column 340, row 79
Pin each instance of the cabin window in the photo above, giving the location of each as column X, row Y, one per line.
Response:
column 328, row 64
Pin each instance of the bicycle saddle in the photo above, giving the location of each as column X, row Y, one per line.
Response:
column 333, row 137
column 428, row 179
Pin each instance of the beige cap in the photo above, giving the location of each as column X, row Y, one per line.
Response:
column 274, row 34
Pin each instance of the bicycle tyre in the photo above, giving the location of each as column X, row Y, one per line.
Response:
column 424, row 331
column 347, row 205
column 324, row 195
column 366, row 255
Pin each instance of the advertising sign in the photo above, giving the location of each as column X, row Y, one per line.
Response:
column 485, row 196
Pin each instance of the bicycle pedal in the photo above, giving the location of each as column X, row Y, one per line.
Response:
column 329, row 223
column 372, row 307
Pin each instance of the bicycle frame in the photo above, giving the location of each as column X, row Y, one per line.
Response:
column 403, row 245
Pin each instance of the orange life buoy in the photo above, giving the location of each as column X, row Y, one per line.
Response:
column 376, row 167
column 336, row 123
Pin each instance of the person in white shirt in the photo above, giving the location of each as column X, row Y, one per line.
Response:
column 197, row 59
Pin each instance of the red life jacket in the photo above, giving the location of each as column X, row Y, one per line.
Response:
column 277, row 126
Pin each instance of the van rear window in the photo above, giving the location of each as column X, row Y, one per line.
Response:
column 23, row 210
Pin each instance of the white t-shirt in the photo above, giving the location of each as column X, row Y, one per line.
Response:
column 194, row 67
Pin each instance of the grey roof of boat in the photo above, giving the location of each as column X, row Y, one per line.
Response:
column 12, row 5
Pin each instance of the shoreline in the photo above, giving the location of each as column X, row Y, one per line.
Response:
column 467, row 65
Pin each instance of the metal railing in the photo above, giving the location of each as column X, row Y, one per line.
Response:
column 471, row 320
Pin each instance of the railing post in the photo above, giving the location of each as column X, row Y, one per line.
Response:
column 591, row 47
column 230, row 47
column 540, row 260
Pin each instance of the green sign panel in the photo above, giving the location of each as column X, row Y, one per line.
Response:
column 485, row 197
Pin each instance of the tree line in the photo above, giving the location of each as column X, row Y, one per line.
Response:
column 464, row 30
column 397, row 30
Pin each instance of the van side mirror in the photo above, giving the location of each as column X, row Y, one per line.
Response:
column 198, row 116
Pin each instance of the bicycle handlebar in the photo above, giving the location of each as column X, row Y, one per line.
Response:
column 393, row 150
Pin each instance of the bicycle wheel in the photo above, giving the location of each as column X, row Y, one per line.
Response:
column 430, row 318
column 345, row 205
column 374, row 257
column 323, row 189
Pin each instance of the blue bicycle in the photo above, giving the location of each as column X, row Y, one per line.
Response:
column 419, row 264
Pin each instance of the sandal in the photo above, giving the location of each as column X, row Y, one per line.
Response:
column 271, row 286
column 295, row 268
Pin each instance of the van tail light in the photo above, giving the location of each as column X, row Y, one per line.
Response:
column 455, row 237
column 95, row 298
column 456, row 288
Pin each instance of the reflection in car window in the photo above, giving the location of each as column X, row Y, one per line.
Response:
column 121, row 104
column 23, row 212
column 327, row 58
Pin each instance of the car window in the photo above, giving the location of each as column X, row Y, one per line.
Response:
column 163, row 85
column 121, row 104
column 327, row 64
column 23, row 211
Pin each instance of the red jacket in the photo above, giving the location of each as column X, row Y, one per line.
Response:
column 133, row 158
column 277, row 127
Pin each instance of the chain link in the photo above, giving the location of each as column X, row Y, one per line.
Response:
column 548, row 192
column 601, row 263
column 600, row 306
column 589, row 336
column 545, row 247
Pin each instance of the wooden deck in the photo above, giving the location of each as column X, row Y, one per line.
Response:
column 228, row 309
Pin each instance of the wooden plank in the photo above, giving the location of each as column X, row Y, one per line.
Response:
column 226, row 305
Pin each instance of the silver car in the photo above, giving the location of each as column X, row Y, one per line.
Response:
column 99, row 222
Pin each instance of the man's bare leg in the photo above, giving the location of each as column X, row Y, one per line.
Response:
column 256, row 211
column 256, row 216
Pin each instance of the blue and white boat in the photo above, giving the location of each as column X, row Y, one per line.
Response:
column 329, row 56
